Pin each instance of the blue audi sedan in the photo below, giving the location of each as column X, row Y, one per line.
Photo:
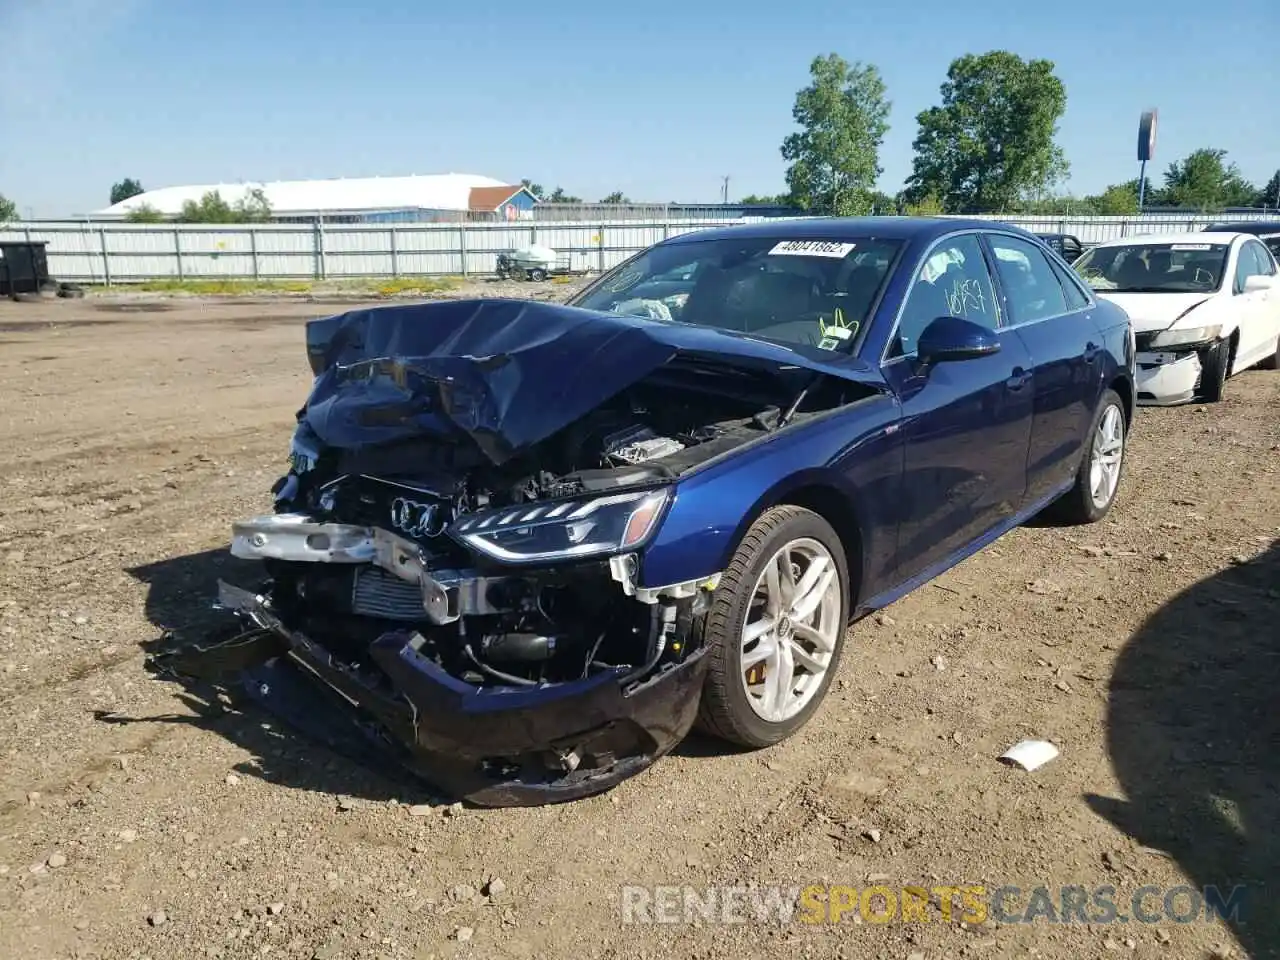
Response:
column 528, row 546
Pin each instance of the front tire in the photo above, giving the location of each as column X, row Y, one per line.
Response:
column 1098, row 478
column 775, row 629
column 1215, row 365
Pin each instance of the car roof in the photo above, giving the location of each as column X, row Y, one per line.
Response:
column 1145, row 238
column 851, row 228
column 1255, row 227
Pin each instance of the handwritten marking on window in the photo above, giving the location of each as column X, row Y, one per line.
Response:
column 966, row 297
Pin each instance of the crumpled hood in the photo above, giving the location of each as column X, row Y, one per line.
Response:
column 1154, row 311
column 507, row 373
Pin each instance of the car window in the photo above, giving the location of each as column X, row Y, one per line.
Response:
column 1143, row 266
column 800, row 292
column 1072, row 290
column 1273, row 244
column 1247, row 265
column 1266, row 265
column 1031, row 287
column 953, row 281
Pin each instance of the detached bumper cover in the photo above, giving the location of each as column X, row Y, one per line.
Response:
column 1167, row 378
column 494, row 746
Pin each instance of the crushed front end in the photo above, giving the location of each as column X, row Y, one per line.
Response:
column 506, row 683
column 457, row 550
column 458, row 553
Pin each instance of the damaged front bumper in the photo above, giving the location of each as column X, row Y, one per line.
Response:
column 490, row 743
column 447, row 595
column 1167, row 378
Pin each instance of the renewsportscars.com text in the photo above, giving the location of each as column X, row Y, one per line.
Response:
column 968, row 903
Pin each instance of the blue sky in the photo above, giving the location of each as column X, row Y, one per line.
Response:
column 659, row 99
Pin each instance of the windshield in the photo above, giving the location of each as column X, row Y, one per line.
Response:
column 802, row 293
column 1154, row 267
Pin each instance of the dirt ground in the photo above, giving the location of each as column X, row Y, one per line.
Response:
column 138, row 820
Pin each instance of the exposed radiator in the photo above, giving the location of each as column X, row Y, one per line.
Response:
column 379, row 594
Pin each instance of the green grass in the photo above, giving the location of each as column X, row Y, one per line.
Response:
column 360, row 286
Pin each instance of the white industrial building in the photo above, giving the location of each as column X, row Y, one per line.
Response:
column 447, row 196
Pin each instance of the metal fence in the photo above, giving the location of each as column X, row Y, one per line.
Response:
column 102, row 253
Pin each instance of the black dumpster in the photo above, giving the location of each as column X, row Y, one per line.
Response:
column 24, row 267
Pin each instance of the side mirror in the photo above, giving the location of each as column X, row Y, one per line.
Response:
column 954, row 338
column 1258, row 283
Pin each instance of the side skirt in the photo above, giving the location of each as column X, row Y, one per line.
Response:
column 894, row 594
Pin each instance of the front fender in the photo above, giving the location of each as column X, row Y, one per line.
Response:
column 855, row 451
column 1214, row 311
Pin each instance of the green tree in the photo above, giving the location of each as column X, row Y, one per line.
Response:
column 926, row 206
column 883, row 205
column 835, row 156
column 559, row 196
column 253, row 207
column 213, row 208
column 1118, row 200
column 992, row 141
column 615, row 197
column 8, row 209
column 534, row 188
column 1205, row 180
column 145, row 213
column 1269, row 196
column 124, row 189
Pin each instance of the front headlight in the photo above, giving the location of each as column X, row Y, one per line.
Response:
column 565, row 529
column 1186, row 335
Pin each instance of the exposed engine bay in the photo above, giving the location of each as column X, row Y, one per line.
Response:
column 554, row 624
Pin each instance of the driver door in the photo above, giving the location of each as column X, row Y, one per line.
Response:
column 966, row 424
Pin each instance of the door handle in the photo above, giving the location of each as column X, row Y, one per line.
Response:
column 1019, row 379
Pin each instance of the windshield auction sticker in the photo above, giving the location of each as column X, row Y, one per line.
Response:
column 812, row 248
column 1191, row 246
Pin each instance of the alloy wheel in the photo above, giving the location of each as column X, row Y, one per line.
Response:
column 1106, row 456
column 791, row 630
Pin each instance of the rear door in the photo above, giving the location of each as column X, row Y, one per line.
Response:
column 1051, row 315
column 966, row 425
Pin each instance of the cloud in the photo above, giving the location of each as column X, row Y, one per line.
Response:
column 46, row 42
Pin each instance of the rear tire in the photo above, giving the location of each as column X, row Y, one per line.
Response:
column 537, row 274
column 743, row 607
column 1101, row 466
column 1215, row 365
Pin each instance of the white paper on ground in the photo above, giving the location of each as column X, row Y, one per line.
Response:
column 1030, row 754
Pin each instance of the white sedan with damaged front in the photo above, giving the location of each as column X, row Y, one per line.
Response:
column 1204, row 307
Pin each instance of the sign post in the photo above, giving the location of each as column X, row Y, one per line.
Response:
column 1146, row 150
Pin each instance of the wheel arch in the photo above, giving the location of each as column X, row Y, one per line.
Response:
column 821, row 492
column 1123, row 388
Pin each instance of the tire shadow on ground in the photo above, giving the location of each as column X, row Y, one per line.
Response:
column 1193, row 732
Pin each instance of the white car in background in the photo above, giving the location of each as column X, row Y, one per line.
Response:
column 1204, row 307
